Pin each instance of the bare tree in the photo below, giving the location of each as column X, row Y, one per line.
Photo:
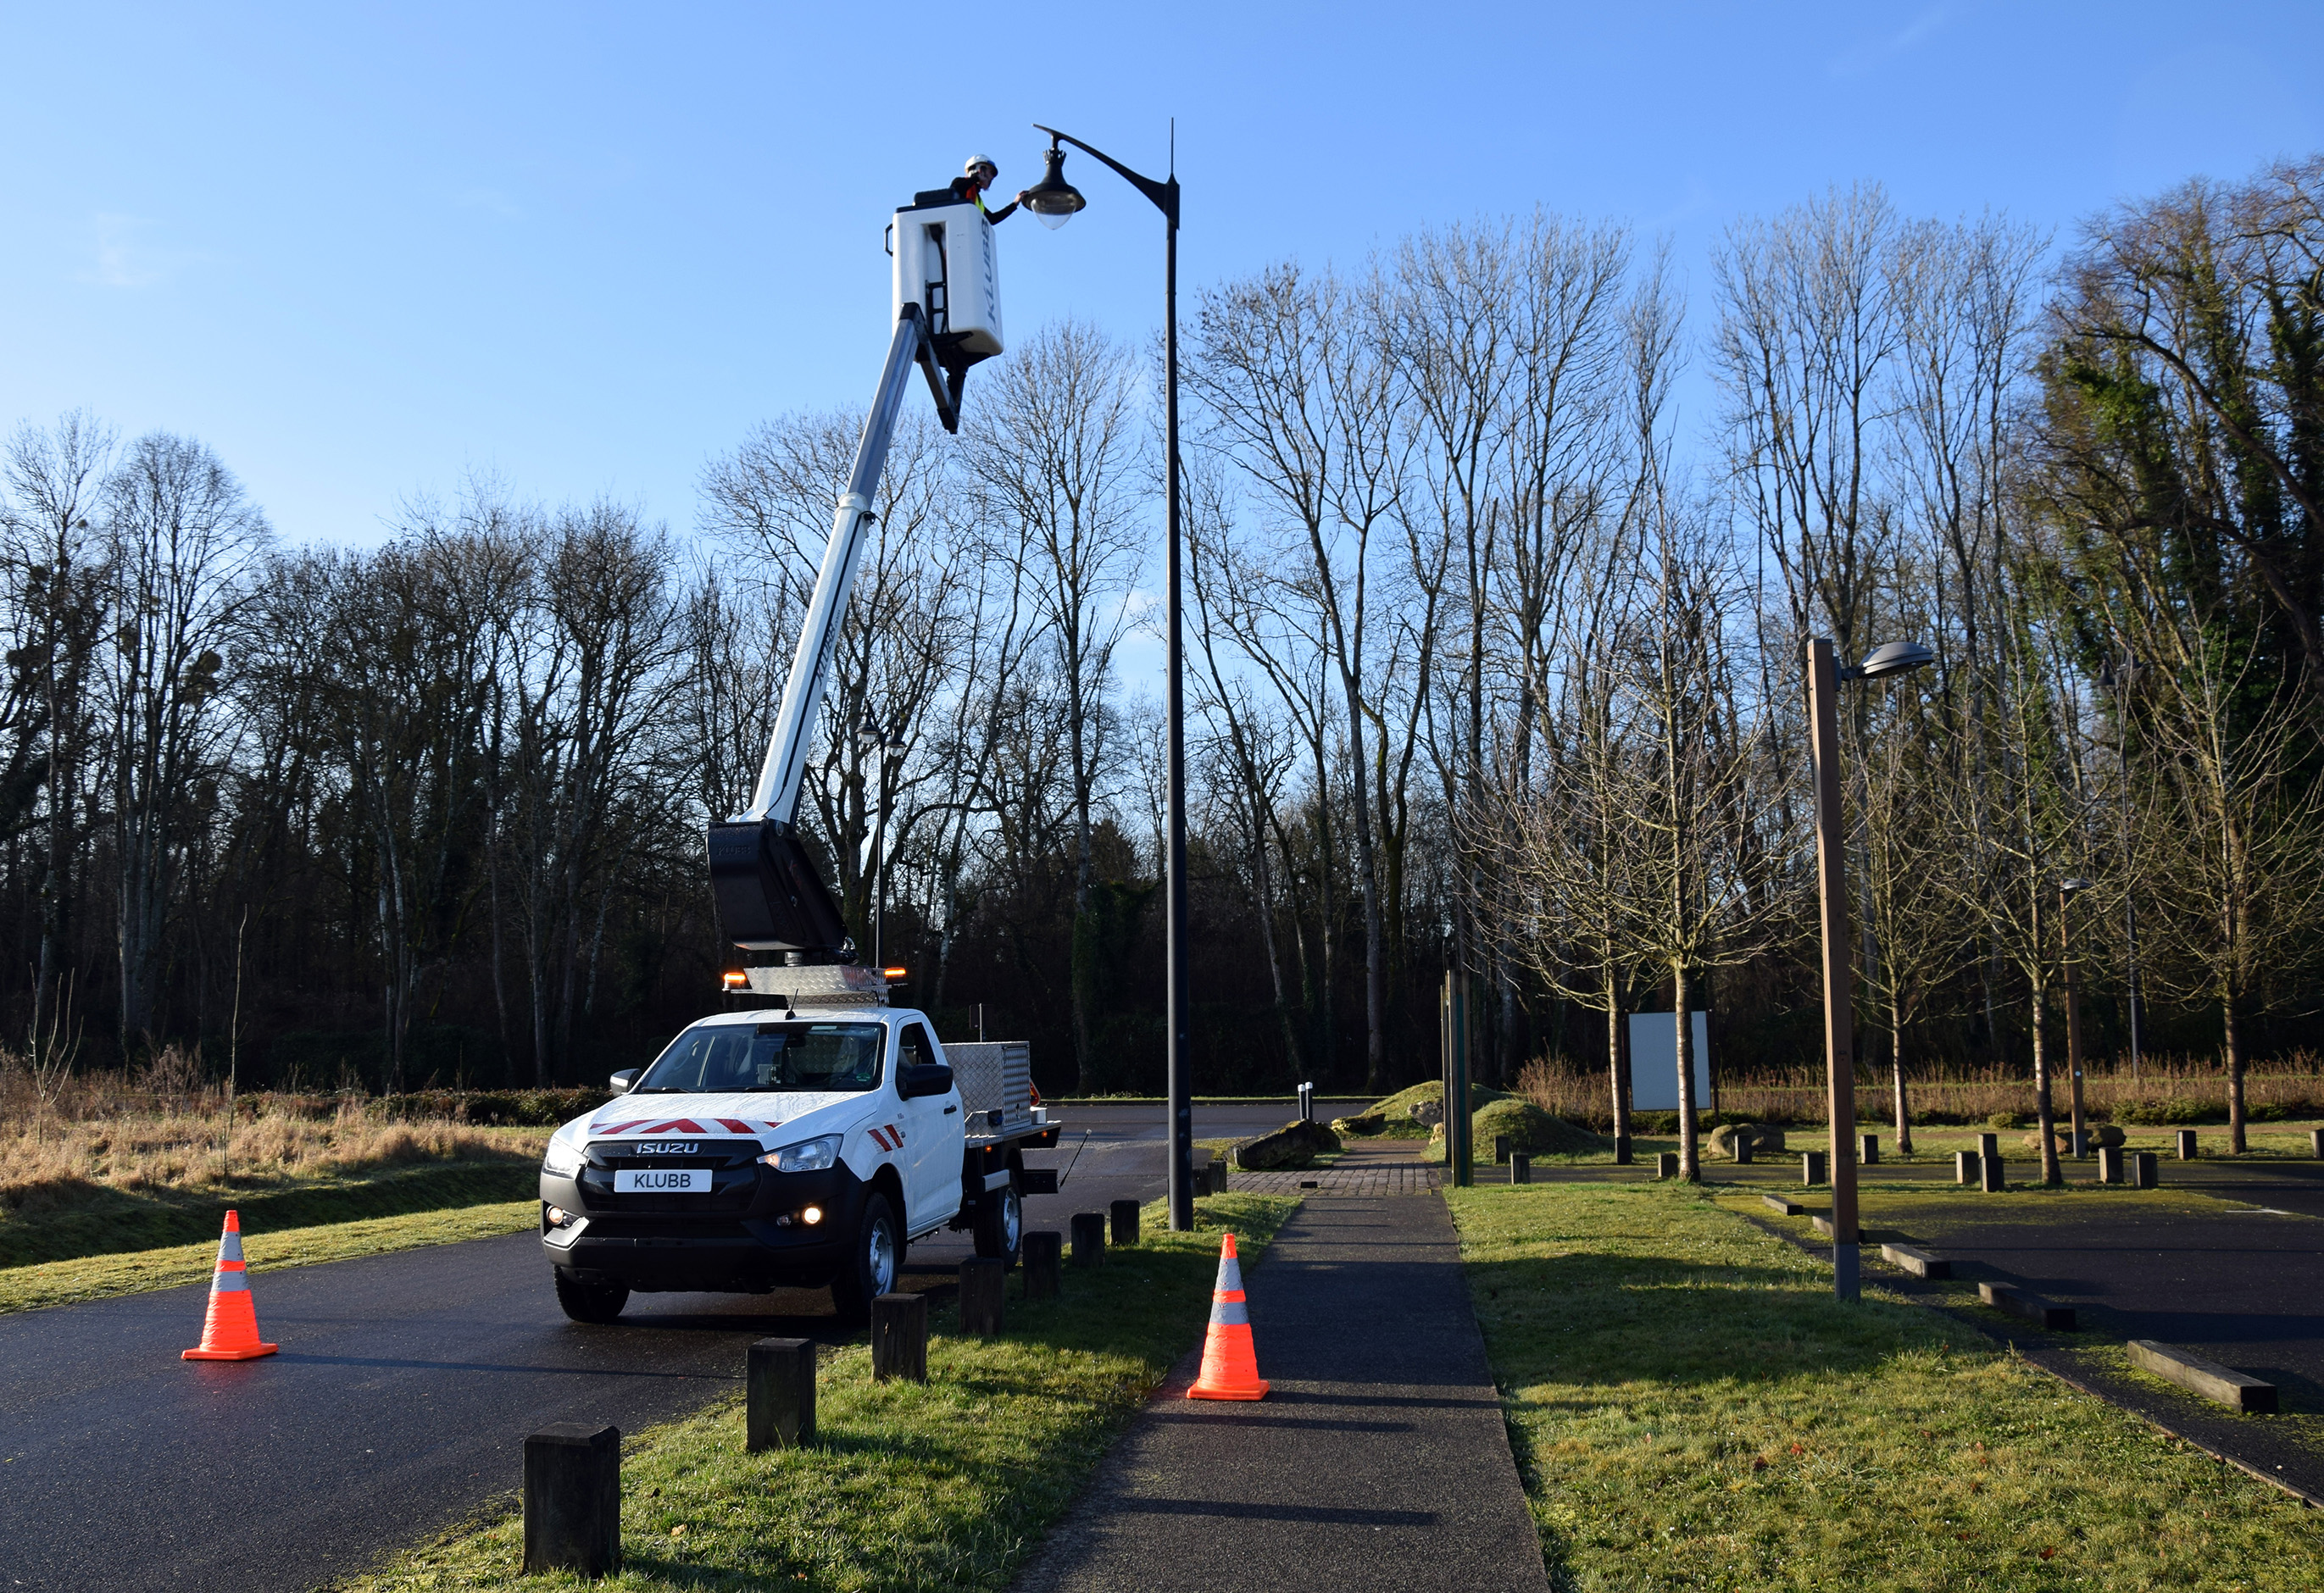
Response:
column 181, row 539
column 1057, row 452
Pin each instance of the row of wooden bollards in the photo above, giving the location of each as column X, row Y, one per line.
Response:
column 573, row 1471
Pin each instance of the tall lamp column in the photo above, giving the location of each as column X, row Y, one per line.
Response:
column 1052, row 201
column 1824, row 676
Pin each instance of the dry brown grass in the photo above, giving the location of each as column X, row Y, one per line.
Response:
column 167, row 1129
column 2167, row 1090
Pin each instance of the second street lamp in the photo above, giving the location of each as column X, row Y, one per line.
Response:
column 2078, row 1139
column 883, row 744
column 1824, row 676
column 1055, row 201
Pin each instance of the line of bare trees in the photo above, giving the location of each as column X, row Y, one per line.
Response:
column 1497, row 659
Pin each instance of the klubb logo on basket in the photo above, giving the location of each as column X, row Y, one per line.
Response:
column 666, row 1147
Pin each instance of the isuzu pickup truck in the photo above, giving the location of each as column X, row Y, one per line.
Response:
column 789, row 1146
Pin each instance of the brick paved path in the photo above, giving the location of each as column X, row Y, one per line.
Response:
column 1366, row 1167
column 1393, row 1178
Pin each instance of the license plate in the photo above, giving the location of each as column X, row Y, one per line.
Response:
column 662, row 1181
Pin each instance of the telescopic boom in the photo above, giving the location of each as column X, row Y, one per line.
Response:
column 769, row 896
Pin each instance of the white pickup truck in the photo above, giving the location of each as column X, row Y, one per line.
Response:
column 790, row 1147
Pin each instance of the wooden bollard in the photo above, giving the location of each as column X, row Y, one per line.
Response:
column 1870, row 1157
column 1965, row 1164
column 1814, row 1167
column 899, row 1337
column 2186, row 1145
column 781, row 1379
column 2109, row 1164
column 1502, row 1149
column 1667, row 1165
column 2316, row 1143
column 1991, row 1177
column 1218, row 1176
column 1125, row 1222
column 980, row 1280
column 1088, row 1238
column 1041, row 1252
column 573, row 1499
column 1743, row 1148
column 2144, row 1170
column 1520, row 1167
column 1989, row 1144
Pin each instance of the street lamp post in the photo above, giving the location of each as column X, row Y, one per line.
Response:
column 1052, row 201
column 884, row 744
column 1824, row 676
column 2118, row 679
column 2066, row 888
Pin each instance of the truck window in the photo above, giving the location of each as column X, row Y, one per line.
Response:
column 731, row 1057
column 912, row 1045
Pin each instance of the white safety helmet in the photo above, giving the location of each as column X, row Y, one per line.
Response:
column 975, row 160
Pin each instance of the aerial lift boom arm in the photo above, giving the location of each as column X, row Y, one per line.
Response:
column 769, row 896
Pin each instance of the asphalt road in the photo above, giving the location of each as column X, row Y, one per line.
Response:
column 400, row 1398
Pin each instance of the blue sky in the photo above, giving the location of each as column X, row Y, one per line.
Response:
column 363, row 250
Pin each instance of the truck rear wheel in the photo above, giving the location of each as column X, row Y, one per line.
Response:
column 873, row 1263
column 1000, row 1223
column 590, row 1302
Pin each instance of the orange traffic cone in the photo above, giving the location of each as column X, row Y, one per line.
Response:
column 230, row 1333
column 1230, row 1366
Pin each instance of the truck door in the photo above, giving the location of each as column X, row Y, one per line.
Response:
column 932, row 1132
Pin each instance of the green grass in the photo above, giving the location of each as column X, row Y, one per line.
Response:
column 112, row 1221
column 94, row 1278
column 946, row 1486
column 1691, row 1408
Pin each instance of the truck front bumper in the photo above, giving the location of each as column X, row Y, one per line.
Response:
column 741, row 1239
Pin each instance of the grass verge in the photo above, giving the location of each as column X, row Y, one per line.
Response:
column 1689, row 1407
column 119, row 1221
column 945, row 1485
column 94, row 1278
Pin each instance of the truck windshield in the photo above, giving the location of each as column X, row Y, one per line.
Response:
column 720, row 1058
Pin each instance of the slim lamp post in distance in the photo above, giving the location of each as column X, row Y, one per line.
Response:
column 1054, row 201
column 1824, row 676
column 884, row 744
column 2076, row 1138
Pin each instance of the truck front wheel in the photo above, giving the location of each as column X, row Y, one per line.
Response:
column 590, row 1302
column 1000, row 1223
column 872, row 1263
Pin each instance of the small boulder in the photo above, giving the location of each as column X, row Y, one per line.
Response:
column 1366, row 1123
column 1430, row 1112
column 1295, row 1145
column 1764, row 1140
column 2096, row 1135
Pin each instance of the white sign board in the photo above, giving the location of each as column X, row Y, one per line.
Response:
column 1654, row 1062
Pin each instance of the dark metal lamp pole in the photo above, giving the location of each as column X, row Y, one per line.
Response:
column 1824, row 676
column 1053, row 200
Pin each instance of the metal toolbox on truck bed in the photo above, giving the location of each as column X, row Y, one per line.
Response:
column 994, row 1075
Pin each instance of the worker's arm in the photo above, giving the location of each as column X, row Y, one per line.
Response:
column 996, row 216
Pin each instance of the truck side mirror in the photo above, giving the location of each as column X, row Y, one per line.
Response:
column 623, row 1080
column 916, row 1079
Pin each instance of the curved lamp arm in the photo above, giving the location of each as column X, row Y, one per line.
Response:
column 1165, row 195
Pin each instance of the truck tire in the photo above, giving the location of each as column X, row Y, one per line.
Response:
column 1000, row 1223
column 591, row 1303
column 873, row 1264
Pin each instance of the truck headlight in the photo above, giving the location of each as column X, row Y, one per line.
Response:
column 563, row 1160
column 809, row 1156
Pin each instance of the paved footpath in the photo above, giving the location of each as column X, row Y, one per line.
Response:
column 1379, row 1459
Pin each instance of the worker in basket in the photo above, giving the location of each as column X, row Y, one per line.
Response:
column 976, row 180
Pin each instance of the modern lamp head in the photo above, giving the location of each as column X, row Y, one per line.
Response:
column 2074, row 884
column 1895, row 658
column 1053, row 199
